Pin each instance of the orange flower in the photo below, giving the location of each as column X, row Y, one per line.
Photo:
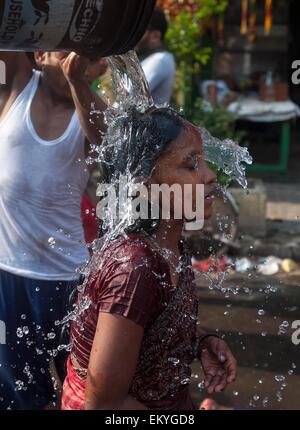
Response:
column 173, row 7
column 268, row 17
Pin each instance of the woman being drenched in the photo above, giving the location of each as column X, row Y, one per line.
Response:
column 136, row 334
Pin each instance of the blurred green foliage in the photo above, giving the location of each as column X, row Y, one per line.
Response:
column 217, row 120
column 185, row 31
column 184, row 40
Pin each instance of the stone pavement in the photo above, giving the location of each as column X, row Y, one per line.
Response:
column 255, row 314
column 282, row 228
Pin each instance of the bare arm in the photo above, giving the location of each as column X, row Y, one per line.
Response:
column 17, row 66
column 113, row 363
column 85, row 99
column 18, row 71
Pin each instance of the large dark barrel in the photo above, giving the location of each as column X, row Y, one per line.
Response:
column 101, row 27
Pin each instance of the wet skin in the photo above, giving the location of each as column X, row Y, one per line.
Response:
column 184, row 163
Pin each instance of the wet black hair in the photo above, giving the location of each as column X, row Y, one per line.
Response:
column 159, row 22
column 135, row 144
column 143, row 137
column 30, row 56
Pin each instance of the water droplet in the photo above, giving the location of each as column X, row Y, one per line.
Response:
column 19, row 385
column 279, row 378
column 51, row 242
column 51, row 335
column 201, row 385
column 173, row 360
column 285, row 324
column 20, row 332
column 265, row 402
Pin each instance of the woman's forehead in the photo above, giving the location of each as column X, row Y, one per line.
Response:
column 186, row 147
column 189, row 140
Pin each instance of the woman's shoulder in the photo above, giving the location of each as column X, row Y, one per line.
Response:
column 127, row 281
column 132, row 249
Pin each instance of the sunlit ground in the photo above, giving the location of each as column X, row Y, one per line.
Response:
column 269, row 363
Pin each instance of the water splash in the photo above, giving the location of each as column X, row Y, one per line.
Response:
column 227, row 155
column 131, row 90
column 132, row 94
column 129, row 84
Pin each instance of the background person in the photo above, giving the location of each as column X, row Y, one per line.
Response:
column 157, row 63
column 44, row 122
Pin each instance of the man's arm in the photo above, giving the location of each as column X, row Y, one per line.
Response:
column 18, row 72
column 88, row 104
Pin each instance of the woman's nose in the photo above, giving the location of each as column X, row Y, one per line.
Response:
column 210, row 176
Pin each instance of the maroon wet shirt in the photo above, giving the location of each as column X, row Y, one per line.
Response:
column 132, row 280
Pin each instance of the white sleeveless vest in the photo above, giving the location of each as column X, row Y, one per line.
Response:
column 41, row 184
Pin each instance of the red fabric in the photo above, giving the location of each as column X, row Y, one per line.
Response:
column 90, row 221
column 125, row 284
column 131, row 280
column 73, row 391
column 212, row 264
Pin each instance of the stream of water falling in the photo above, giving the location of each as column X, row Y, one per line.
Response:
column 131, row 89
column 131, row 93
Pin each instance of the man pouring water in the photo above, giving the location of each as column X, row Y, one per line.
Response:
column 44, row 127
